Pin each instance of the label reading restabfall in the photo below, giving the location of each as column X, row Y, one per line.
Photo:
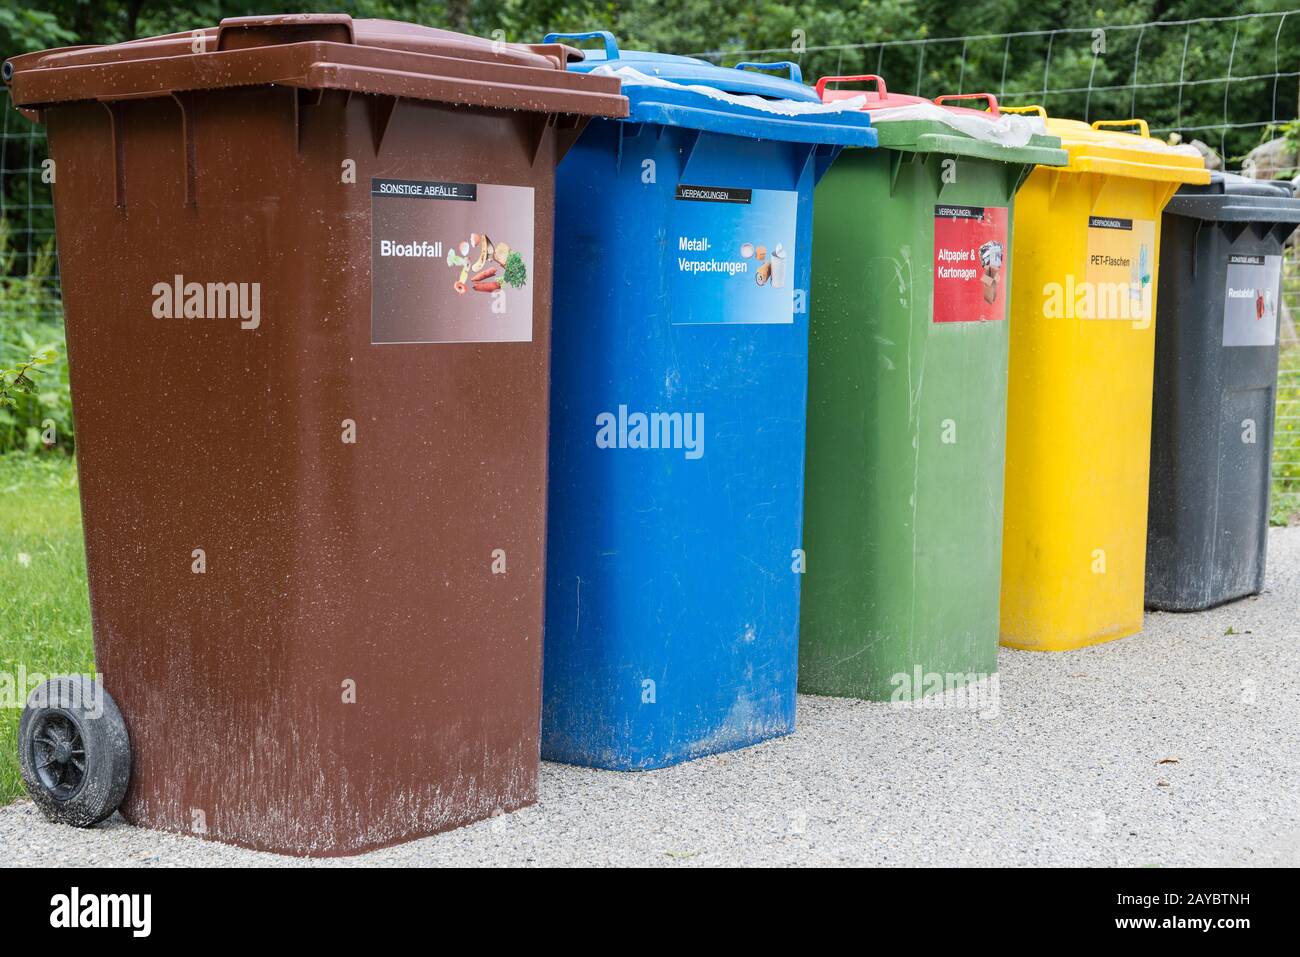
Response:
column 734, row 255
column 1117, row 277
column 970, row 250
column 1250, row 301
column 450, row 262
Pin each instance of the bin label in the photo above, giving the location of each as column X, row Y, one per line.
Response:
column 733, row 255
column 1250, row 301
column 1117, row 276
column 450, row 262
column 970, row 251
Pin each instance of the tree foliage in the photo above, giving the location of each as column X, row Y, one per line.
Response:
column 1027, row 68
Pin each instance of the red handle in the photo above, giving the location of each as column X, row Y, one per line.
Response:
column 992, row 100
column 859, row 78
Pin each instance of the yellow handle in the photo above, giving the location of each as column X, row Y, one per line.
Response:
column 1037, row 110
column 1140, row 124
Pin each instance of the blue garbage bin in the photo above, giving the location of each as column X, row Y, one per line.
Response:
column 679, row 382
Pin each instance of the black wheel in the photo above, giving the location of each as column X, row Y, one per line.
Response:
column 74, row 751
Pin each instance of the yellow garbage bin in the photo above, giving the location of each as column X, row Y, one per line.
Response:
column 1080, row 386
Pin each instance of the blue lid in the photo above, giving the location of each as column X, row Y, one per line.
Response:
column 752, row 78
column 683, row 107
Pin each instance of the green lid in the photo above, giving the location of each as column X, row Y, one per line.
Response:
column 939, row 131
column 931, row 136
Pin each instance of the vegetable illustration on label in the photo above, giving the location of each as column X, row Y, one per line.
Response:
column 492, row 257
column 481, row 234
column 516, row 274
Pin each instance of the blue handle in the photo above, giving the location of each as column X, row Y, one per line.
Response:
column 611, row 45
column 796, row 74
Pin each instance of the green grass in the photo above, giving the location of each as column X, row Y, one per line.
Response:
column 44, row 609
column 1286, row 441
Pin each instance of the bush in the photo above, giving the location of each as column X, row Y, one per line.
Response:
column 1286, row 440
column 35, row 404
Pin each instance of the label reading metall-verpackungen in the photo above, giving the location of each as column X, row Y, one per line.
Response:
column 450, row 262
column 733, row 255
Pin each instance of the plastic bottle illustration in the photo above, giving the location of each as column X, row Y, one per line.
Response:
column 778, row 267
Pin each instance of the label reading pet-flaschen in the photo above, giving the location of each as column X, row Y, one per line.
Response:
column 1250, row 301
column 733, row 255
column 970, row 249
column 1117, row 277
column 450, row 262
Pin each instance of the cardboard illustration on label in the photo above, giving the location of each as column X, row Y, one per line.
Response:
column 1250, row 301
column 1121, row 263
column 450, row 262
column 970, row 263
column 734, row 255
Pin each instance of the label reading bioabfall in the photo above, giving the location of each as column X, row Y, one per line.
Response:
column 970, row 263
column 1250, row 301
column 1121, row 262
column 733, row 255
column 450, row 262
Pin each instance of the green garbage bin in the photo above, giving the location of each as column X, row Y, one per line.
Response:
column 907, row 398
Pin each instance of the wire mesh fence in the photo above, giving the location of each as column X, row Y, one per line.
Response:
column 27, row 254
column 1246, row 92
column 1182, row 76
column 1226, row 97
column 1286, row 442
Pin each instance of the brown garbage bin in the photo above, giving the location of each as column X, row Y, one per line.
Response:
column 306, row 267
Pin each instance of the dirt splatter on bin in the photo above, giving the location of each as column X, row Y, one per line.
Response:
column 312, row 465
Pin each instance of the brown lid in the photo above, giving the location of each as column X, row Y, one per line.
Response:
column 320, row 51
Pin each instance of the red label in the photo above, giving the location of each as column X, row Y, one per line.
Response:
column 970, row 263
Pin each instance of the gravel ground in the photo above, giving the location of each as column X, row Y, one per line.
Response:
column 1179, row 746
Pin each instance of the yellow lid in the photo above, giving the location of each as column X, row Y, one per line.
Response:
column 1104, row 147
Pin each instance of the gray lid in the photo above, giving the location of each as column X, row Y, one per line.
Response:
column 1229, row 197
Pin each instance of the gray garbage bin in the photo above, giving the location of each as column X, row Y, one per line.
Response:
column 1215, row 390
